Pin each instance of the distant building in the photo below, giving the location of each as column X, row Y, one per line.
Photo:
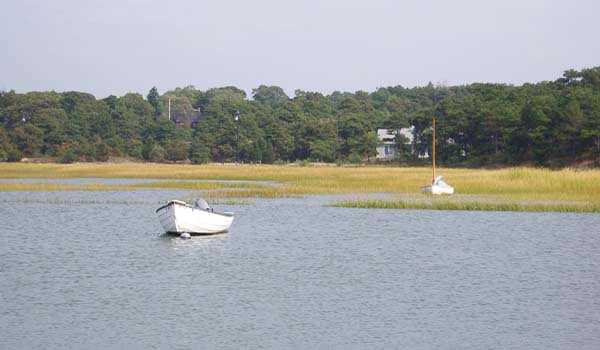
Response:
column 387, row 142
column 186, row 118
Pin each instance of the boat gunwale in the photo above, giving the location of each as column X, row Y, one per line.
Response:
column 176, row 233
column 174, row 202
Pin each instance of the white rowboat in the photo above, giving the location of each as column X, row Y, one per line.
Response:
column 177, row 217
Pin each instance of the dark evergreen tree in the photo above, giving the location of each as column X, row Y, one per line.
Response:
column 154, row 100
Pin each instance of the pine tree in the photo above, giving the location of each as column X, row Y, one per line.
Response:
column 154, row 99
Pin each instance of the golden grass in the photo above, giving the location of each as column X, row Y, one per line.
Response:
column 484, row 204
column 183, row 185
column 518, row 188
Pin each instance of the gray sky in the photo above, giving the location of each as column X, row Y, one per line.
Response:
column 115, row 46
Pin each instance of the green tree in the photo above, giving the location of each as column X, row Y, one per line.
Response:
column 270, row 95
column 13, row 155
column 368, row 145
column 29, row 139
column 177, row 150
column 403, row 148
column 199, row 153
column 321, row 150
column 67, row 154
column 102, row 151
column 154, row 100
column 157, row 154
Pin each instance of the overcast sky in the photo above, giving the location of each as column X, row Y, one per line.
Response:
column 116, row 46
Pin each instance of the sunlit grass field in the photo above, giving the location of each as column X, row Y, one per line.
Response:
column 515, row 189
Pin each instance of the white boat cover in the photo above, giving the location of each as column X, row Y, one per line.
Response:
column 439, row 186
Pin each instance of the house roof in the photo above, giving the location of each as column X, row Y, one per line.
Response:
column 389, row 135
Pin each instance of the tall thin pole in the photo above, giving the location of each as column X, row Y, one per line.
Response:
column 433, row 153
column 169, row 108
column 237, row 136
column 335, row 144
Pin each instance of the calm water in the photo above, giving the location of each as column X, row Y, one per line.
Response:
column 90, row 270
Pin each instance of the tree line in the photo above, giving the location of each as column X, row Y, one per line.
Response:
column 550, row 123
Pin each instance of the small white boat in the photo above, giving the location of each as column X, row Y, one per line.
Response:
column 439, row 187
column 177, row 217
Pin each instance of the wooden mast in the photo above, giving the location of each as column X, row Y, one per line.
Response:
column 433, row 153
column 169, row 108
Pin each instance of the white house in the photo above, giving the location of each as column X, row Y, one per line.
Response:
column 386, row 150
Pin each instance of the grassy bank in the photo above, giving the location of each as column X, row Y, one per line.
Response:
column 481, row 204
column 522, row 189
column 183, row 185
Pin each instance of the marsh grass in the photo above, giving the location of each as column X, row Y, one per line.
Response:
column 216, row 200
column 519, row 189
column 49, row 187
column 57, row 201
column 471, row 205
column 60, row 201
column 183, row 185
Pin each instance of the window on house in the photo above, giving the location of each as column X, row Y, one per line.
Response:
column 387, row 150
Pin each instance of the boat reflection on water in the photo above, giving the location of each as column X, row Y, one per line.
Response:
column 204, row 242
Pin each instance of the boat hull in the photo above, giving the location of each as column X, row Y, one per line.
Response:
column 438, row 187
column 176, row 217
column 438, row 190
